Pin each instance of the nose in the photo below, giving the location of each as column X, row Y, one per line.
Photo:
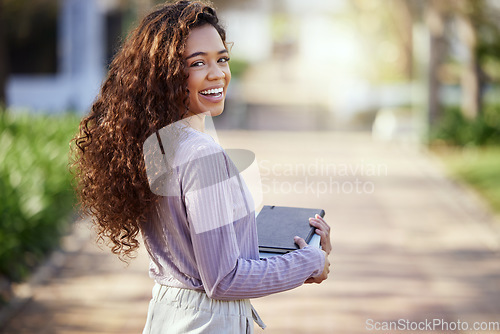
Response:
column 215, row 72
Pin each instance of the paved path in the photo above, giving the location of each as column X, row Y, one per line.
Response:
column 408, row 244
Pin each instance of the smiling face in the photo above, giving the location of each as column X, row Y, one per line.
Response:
column 208, row 68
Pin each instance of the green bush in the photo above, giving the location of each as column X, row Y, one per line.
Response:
column 455, row 129
column 36, row 197
column 477, row 166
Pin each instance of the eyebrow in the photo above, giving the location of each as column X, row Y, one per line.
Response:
column 201, row 53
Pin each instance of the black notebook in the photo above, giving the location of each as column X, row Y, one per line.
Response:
column 277, row 225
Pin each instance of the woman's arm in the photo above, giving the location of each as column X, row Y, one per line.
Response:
column 216, row 212
column 225, row 275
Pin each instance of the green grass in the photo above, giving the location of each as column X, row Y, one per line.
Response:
column 36, row 197
column 477, row 166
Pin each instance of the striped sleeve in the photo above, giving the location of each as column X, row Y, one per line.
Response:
column 216, row 214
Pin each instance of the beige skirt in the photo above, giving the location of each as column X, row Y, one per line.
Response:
column 174, row 310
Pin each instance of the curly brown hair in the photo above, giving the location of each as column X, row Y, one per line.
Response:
column 145, row 90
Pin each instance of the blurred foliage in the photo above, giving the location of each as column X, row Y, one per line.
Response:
column 36, row 197
column 386, row 35
column 478, row 166
column 238, row 67
column 453, row 128
column 485, row 19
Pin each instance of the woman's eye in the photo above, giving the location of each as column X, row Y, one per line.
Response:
column 224, row 60
column 197, row 63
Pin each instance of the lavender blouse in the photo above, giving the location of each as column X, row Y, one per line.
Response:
column 203, row 235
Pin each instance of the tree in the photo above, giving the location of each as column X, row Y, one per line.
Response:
column 466, row 13
column 403, row 13
column 479, row 33
column 436, row 21
column 475, row 24
column 480, row 30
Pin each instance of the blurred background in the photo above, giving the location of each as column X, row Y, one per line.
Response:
column 419, row 74
column 331, row 64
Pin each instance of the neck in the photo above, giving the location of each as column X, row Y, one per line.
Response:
column 197, row 122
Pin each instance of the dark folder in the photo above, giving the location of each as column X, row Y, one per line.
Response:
column 277, row 225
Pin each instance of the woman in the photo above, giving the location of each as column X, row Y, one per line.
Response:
column 197, row 222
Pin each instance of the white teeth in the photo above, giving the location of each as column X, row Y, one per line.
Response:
column 212, row 91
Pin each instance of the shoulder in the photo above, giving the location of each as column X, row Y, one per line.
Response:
column 199, row 153
column 202, row 163
column 197, row 145
column 182, row 144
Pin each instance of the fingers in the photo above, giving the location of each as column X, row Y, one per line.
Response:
column 319, row 223
column 323, row 230
column 309, row 280
column 323, row 276
column 300, row 242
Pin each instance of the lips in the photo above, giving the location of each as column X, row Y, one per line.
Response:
column 213, row 91
column 213, row 95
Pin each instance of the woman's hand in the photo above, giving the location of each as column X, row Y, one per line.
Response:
column 323, row 230
column 326, row 269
